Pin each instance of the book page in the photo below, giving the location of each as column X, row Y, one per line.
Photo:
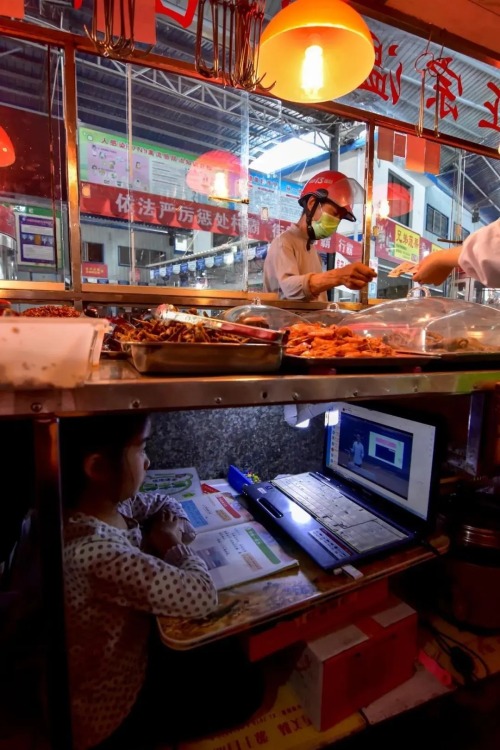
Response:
column 214, row 510
column 178, row 483
column 241, row 553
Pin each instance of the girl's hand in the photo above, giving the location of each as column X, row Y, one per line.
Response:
column 164, row 532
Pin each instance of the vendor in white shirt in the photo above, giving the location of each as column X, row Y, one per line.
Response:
column 479, row 257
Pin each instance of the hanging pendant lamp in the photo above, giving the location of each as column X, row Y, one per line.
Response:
column 7, row 153
column 316, row 51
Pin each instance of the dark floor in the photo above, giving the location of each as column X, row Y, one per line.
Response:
column 467, row 719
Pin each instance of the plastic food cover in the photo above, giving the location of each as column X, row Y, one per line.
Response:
column 264, row 316
column 333, row 315
column 431, row 325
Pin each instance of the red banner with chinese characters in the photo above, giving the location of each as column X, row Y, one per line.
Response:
column 94, row 270
column 350, row 249
column 175, row 212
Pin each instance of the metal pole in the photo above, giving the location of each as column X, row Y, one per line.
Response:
column 369, row 164
column 48, row 503
column 334, row 166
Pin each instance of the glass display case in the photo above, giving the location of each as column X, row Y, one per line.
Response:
column 333, row 315
column 432, row 325
column 264, row 316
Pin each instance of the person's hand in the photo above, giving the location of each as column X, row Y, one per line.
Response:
column 437, row 266
column 353, row 276
column 163, row 533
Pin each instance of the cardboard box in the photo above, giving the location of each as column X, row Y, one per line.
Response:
column 317, row 621
column 338, row 674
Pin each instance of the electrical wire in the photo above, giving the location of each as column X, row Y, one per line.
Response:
column 454, row 653
column 425, row 543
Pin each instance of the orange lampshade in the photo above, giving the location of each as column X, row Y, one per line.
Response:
column 7, row 153
column 315, row 51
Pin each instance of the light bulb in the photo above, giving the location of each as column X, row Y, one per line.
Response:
column 312, row 77
column 384, row 209
column 220, row 184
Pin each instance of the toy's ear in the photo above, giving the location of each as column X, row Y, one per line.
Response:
column 95, row 467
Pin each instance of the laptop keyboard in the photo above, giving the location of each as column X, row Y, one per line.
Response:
column 351, row 522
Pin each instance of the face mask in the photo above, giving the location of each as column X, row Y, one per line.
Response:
column 326, row 226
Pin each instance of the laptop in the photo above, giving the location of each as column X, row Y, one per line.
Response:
column 373, row 495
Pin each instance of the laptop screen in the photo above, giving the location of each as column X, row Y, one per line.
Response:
column 386, row 454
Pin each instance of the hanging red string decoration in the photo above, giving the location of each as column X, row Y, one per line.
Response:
column 7, row 153
column 216, row 173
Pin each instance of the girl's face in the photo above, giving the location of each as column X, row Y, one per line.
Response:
column 135, row 463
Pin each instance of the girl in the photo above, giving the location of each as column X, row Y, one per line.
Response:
column 118, row 575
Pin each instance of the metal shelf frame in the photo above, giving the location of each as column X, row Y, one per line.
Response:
column 116, row 387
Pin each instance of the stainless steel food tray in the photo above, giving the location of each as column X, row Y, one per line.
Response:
column 203, row 358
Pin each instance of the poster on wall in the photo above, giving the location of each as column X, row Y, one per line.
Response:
column 163, row 172
column 36, row 240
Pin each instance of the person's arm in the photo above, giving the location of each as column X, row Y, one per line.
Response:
column 127, row 576
column 149, row 506
column 480, row 255
column 437, row 266
column 354, row 276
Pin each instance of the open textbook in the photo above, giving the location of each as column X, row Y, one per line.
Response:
column 240, row 553
column 178, row 483
column 235, row 548
column 214, row 510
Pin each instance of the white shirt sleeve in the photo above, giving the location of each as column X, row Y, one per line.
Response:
column 480, row 255
column 121, row 573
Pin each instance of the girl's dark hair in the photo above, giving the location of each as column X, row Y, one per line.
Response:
column 108, row 435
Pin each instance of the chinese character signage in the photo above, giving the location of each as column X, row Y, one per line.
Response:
column 409, row 73
column 186, row 214
column 397, row 243
column 95, row 270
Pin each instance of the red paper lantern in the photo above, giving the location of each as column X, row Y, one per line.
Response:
column 217, row 173
column 392, row 200
column 7, row 153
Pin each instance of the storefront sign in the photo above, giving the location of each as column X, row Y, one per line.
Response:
column 396, row 242
column 339, row 243
column 426, row 247
column 95, row 270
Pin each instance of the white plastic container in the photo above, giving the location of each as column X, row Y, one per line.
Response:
column 38, row 353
